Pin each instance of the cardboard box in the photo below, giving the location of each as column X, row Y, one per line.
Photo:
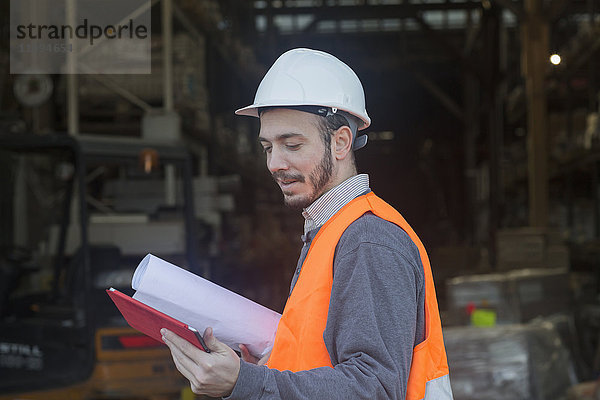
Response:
column 489, row 291
column 510, row 362
column 516, row 296
column 530, row 247
column 539, row 292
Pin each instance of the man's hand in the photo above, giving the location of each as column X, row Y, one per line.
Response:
column 214, row 373
column 246, row 356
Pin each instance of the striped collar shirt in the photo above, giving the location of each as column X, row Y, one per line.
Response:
column 333, row 200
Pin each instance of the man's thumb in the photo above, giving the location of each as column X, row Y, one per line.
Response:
column 212, row 342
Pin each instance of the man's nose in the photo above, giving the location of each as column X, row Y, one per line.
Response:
column 276, row 161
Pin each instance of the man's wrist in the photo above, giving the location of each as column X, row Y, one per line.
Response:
column 249, row 382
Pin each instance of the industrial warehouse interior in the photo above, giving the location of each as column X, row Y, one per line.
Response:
column 484, row 135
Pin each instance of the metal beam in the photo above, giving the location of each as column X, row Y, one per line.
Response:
column 472, row 32
column 72, row 83
column 167, row 54
column 144, row 7
column 472, row 129
column 368, row 11
column 207, row 17
column 74, row 68
column 535, row 38
column 437, row 92
column 118, row 89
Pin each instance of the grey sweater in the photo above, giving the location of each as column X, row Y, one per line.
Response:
column 376, row 317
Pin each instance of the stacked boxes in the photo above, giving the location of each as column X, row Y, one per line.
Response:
column 516, row 362
column 489, row 291
column 516, row 296
column 531, row 279
column 530, row 248
column 539, row 292
column 489, row 363
column 523, row 356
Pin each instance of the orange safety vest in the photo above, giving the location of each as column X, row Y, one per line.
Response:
column 299, row 343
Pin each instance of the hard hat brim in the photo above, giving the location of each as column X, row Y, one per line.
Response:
column 252, row 111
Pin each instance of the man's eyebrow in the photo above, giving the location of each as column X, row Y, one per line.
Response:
column 282, row 136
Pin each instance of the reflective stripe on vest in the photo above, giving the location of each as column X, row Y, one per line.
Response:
column 299, row 341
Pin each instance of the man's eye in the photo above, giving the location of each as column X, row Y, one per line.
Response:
column 267, row 149
column 292, row 146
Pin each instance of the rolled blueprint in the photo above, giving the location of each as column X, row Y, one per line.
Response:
column 200, row 303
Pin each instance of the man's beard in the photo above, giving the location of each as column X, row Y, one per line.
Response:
column 320, row 176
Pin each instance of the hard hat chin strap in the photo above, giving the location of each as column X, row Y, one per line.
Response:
column 360, row 142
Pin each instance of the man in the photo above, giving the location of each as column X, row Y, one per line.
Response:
column 361, row 321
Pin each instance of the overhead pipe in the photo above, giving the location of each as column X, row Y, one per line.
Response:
column 72, row 82
column 167, row 48
column 168, row 103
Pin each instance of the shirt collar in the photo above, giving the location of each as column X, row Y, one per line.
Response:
column 333, row 200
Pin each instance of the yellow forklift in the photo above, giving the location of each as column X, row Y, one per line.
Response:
column 76, row 217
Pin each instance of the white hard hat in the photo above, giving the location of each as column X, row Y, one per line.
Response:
column 305, row 77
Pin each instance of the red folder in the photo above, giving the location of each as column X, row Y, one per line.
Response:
column 150, row 321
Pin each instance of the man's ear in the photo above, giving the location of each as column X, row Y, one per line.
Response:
column 342, row 142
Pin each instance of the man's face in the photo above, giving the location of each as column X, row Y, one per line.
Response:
column 296, row 155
